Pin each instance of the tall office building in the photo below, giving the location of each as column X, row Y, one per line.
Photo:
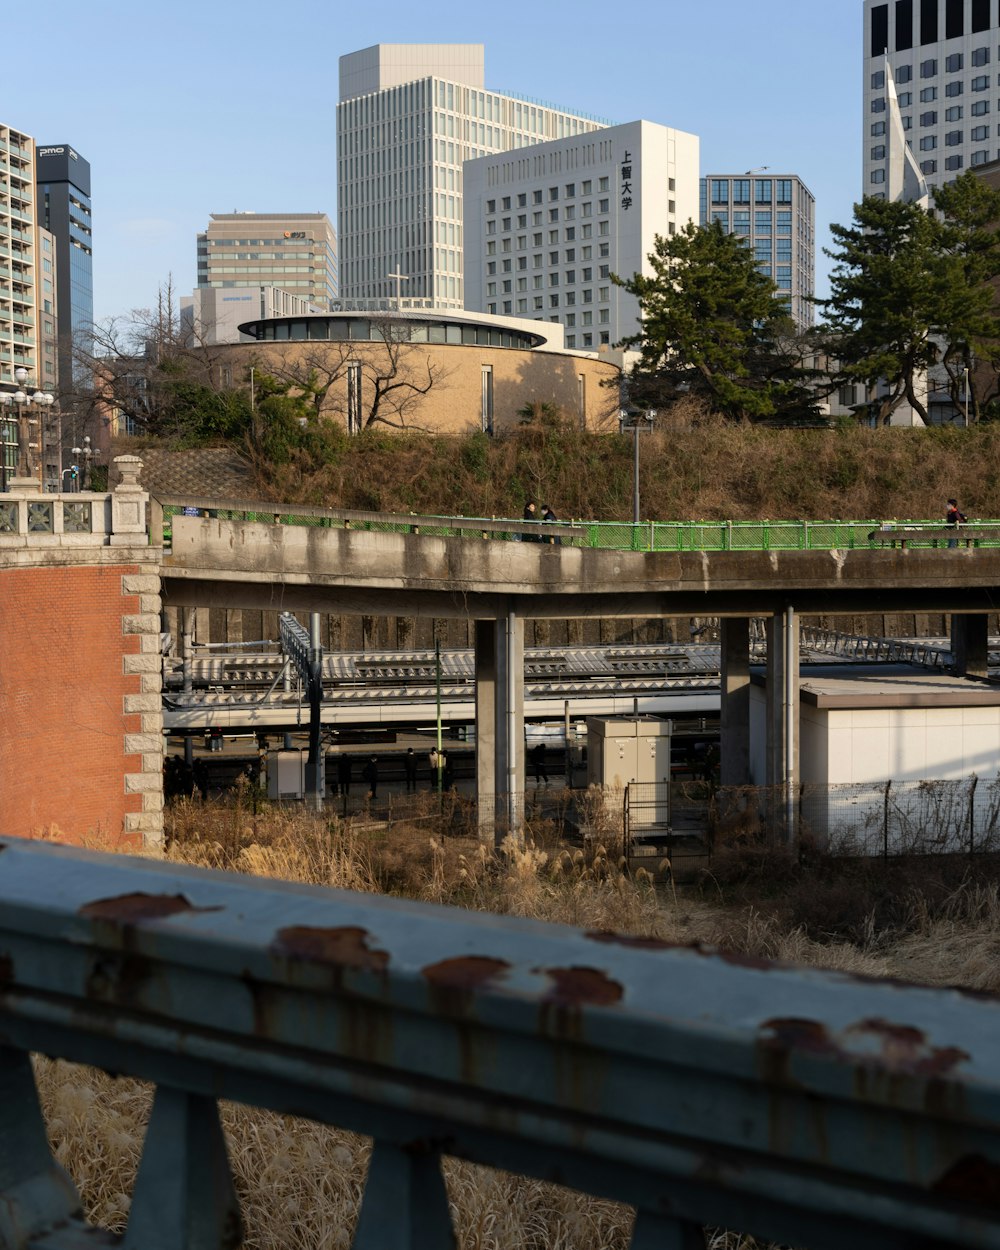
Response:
column 776, row 215
column 63, row 209
column 546, row 226
column 296, row 252
column 409, row 116
column 944, row 57
column 18, row 307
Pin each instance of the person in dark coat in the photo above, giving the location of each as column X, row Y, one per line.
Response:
column 531, row 514
column 370, row 775
column 344, row 774
column 410, row 768
column 954, row 517
column 550, row 518
column 537, row 757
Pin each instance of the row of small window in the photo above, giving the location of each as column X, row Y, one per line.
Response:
column 522, row 263
column 568, row 234
column 586, row 252
column 569, row 214
column 929, row 68
column 569, row 191
column 951, row 163
column 586, row 340
column 763, row 190
column 929, row 94
column 953, row 114
column 586, row 295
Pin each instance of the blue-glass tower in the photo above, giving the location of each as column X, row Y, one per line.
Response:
column 62, row 180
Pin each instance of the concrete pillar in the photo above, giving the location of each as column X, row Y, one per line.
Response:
column 970, row 644
column 500, row 724
column 782, row 749
column 735, row 709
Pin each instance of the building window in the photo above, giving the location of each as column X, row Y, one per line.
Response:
column 928, row 69
column 354, row 417
column 878, row 130
column 877, row 154
column 486, row 410
column 928, row 167
column 953, row 114
column 878, row 104
column 929, row 118
column 953, row 63
column 904, row 73
column 953, row 138
column 878, row 80
column 953, row 162
column 980, row 108
column 928, row 95
column 928, row 143
column 980, row 56
column 979, row 158
column 953, row 89
column 980, row 18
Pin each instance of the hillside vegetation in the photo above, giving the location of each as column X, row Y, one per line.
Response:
column 709, row 470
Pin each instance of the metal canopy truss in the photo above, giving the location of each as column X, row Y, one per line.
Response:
column 795, row 1105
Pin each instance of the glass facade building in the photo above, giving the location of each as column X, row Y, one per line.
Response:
column 64, row 209
column 776, row 215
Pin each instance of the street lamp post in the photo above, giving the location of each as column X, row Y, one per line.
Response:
column 635, row 417
column 20, row 398
column 84, row 454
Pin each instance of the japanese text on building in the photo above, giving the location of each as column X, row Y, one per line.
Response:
column 627, row 181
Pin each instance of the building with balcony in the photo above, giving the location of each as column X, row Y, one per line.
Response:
column 409, row 116
column 18, row 307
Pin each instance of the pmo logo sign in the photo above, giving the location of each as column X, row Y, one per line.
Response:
column 63, row 151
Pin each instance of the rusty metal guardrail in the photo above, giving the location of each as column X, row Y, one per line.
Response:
column 703, row 1089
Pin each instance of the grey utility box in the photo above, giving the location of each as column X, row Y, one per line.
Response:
column 625, row 749
column 286, row 774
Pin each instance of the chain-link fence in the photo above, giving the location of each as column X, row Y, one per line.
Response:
column 887, row 819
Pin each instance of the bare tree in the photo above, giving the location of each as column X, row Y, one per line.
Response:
column 128, row 369
column 384, row 380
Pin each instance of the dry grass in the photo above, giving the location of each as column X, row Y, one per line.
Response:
column 300, row 1183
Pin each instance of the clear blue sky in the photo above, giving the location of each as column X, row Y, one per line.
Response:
column 186, row 109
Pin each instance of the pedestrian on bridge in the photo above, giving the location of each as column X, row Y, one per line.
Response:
column 955, row 517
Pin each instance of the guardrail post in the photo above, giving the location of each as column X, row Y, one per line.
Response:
column 972, row 815
column 35, row 1193
column 405, row 1205
column 184, row 1194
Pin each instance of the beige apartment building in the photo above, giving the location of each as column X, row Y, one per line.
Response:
column 296, row 252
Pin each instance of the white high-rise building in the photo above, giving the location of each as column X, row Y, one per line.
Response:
column 409, row 116
column 944, row 56
column 545, row 228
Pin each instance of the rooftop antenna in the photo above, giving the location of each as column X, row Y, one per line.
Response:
column 759, row 170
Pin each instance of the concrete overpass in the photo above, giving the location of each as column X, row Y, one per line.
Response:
column 83, row 579
column 501, row 584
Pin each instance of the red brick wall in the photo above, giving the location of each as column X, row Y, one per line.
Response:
column 62, row 699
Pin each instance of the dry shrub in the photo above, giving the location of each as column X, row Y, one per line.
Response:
column 300, row 1183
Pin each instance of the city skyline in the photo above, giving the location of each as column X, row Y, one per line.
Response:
column 169, row 145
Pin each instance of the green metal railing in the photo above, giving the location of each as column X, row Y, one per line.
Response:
column 614, row 535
